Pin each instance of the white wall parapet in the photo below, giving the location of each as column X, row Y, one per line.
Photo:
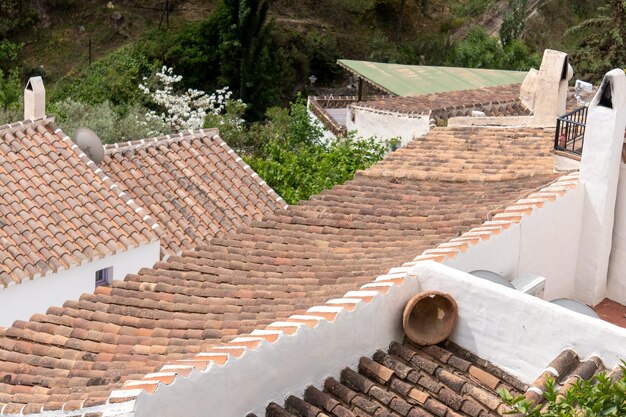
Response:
column 517, row 332
column 599, row 173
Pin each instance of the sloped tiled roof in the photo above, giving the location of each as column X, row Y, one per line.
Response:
column 192, row 184
column 76, row 355
column 56, row 211
column 461, row 102
column 408, row 381
column 443, row 381
column 566, row 369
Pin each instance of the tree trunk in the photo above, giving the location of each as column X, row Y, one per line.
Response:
column 400, row 19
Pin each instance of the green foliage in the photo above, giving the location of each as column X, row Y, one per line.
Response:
column 425, row 50
column 14, row 15
column 356, row 6
column 599, row 43
column 479, row 50
column 10, row 89
column 295, row 161
column 231, row 48
column 104, row 119
column 8, row 54
column 232, row 126
column 599, row 397
column 471, row 8
column 513, row 23
column 243, row 52
column 10, row 84
column 113, row 78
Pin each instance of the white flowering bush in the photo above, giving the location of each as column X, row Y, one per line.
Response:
column 182, row 110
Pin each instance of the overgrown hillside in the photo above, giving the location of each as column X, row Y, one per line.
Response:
column 131, row 68
column 310, row 35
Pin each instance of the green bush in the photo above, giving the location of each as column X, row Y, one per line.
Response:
column 598, row 397
column 113, row 78
column 104, row 119
column 10, row 90
column 296, row 162
column 479, row 50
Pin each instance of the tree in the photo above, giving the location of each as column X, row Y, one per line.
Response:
column 245, row 63
column 231, row 48
column 10, row 84
column 600, row 42
column 479, row 50
column 296, row 162
column 513, row 23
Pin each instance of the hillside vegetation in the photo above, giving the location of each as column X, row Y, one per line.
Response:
column 94, row 55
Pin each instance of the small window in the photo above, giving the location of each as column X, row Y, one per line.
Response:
column 104, row 276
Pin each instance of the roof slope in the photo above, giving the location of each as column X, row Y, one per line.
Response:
column 56, row 211
column 75, row 355
column 193, row 184
column 414, row 381
column 408, row 381
column 494, row 101
column 415, row 80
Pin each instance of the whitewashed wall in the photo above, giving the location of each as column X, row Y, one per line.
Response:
column 518, row 332
column 617, row 264
column 599, row 173
column 19, row 302
column 387, row 126
column 545, row 243
column 515, row 331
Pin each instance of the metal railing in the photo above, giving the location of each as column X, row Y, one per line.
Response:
column 570, row 131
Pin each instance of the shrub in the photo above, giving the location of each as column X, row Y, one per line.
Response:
column 296, row 162
column 479, row 50
column 113, row 78
column 10, row 89
column 598, row 397
column 104, row 119
column 177, row 109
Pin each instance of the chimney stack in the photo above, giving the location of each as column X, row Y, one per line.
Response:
column 34, row 99
column 599, row 173
column 544, row 92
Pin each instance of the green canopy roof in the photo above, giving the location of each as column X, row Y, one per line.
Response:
column 415, row 80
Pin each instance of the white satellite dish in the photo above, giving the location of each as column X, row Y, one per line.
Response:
column 90, row 144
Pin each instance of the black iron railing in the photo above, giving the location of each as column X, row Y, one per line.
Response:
column 570, row 131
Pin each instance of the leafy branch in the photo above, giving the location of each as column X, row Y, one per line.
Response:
column 600, row 396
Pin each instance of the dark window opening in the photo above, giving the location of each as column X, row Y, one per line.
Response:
column 605, row 97
column 104, row 276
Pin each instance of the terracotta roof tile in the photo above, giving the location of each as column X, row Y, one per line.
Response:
column 189, row 310
column 56, row 212
column 192, row 183
column 408, row 380
column 493, row 101
column 393, row 383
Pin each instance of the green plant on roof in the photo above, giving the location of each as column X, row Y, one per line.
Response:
column 600, row 396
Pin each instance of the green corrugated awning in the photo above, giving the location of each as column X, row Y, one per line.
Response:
column 415, row 80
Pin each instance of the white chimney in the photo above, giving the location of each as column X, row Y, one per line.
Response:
column 544, row 92
column 34, row 99
column 599, row 173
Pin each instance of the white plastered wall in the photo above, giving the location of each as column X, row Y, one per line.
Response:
column 544, row 243
column 617, row 264
column 21, row 301
column 517, row 332
column 368, row 123
column 599, row 173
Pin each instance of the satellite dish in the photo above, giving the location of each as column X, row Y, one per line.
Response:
column 90, row 143
column 493, row 277
column 576, row 306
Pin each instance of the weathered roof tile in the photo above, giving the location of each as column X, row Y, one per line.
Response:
column 55, row 209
